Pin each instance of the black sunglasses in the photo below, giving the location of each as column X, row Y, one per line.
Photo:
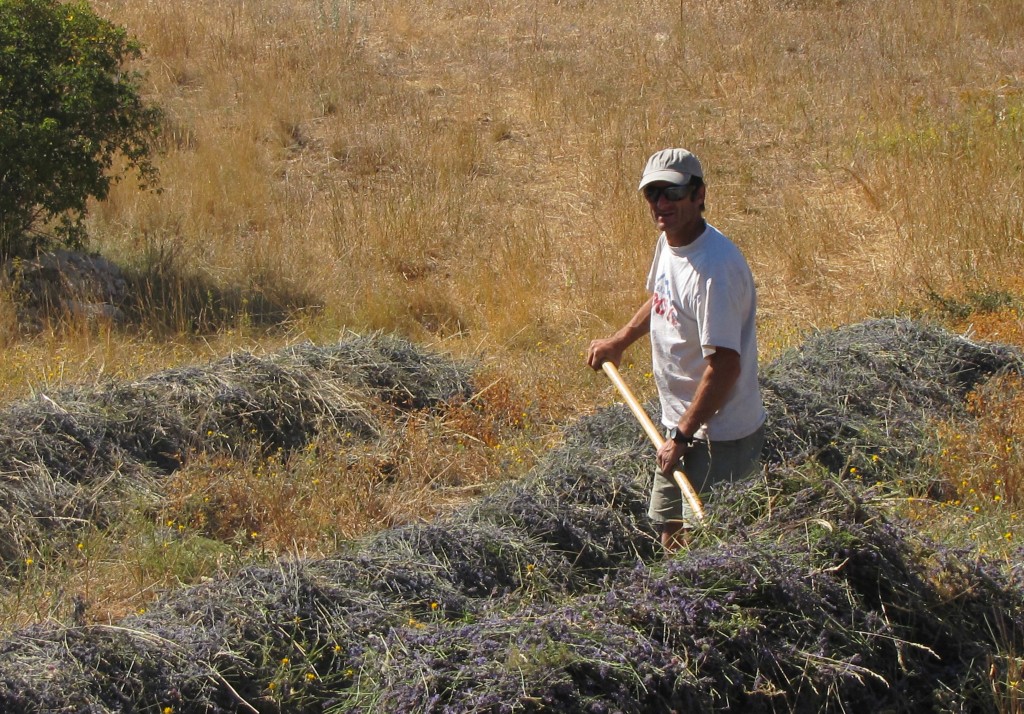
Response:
column 672, row 193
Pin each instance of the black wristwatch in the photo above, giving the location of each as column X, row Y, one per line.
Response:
column 679, row 437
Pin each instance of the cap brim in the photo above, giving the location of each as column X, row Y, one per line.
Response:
column 668, row 175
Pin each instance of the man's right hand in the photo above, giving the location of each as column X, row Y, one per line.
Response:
column 604, row 350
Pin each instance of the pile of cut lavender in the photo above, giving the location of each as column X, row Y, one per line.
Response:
column 803, row 593
column 74, row 456
column 871, row 389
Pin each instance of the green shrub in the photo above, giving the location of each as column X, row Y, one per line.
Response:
column 68, row 108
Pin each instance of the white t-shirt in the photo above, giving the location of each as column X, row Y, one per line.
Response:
column 704, row 297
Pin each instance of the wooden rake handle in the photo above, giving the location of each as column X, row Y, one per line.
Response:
column 654, row 435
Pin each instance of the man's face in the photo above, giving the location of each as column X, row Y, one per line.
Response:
column 675, row 209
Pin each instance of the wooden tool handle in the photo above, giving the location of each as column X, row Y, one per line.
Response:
column 654, row 435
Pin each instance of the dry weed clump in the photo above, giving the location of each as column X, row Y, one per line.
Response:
column 77, row 455
column 803, row 593
column 984, row 460
column 980, row 462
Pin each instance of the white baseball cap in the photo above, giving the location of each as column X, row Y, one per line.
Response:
column 676, row 166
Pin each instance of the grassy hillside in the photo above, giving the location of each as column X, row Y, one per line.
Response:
column 463, row 174
column 469, row 168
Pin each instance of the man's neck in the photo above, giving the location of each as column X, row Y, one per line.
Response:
column 686, row 235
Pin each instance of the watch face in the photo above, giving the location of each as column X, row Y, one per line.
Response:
column 678, row 437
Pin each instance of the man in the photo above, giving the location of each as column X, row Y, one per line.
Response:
column 700, row 316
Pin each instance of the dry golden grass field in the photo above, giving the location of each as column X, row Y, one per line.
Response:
column 463, row 173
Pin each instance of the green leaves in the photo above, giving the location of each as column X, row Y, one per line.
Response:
column 67, row 108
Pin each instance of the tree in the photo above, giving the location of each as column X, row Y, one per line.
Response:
column 68, row 108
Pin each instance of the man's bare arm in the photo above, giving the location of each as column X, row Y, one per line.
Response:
column 610, row 349
column 720, row 374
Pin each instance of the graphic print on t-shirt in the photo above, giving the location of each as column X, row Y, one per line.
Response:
column 663, row 306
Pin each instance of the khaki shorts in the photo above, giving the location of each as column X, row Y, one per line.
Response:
column 705, row 465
